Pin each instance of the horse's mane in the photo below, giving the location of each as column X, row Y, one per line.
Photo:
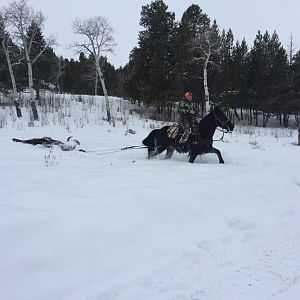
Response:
column 207, row 117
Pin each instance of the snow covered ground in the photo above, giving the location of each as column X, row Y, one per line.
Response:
column 117, row 226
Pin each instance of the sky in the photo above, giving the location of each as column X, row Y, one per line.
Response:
column 245, row 18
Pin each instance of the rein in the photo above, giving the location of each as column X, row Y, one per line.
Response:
column 223, row 130
column 222, row 137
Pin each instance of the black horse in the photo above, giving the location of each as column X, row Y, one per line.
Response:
column 199, row 143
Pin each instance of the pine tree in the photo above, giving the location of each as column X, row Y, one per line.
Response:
column 293, row 99
column 5, row 82
column 225, row 70
column 155, row 54
column 188, row 76
column 44, row 68
column 240, row 56
column 295, row 70
column 132, row 73
column 268, row 73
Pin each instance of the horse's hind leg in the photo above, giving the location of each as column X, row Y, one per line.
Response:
column 150, row 150
column 214, row 150
column 156, row 151
column 170, row 151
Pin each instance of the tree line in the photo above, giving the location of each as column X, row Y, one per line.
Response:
column 170, row 58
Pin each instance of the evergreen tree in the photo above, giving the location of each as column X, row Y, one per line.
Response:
column 295, row 72
column 86, row 71
column 187, row 74
column 240, row 56
column 131, row 81
column 226, row 64
column 71, row 76
column 156, row 53
column 268, row 74
column 111, row 76
column 44, row 68
column 232, row 83
column 5, row 82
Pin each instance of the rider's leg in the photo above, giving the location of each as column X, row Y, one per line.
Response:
column 185, row 136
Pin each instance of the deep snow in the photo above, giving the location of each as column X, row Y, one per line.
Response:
column 118, row 226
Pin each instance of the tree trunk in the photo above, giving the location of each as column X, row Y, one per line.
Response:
column 96, row 84
column 18, row 109
column 236, row 114
column 58, row 85
column 13, row 81
column 264, row 120
column 250, row 117
column 37, row 89
column 205, row 83
column 280, row 119
column 58, row 76
column 256, row 118
column 104, row 90
column 285, row 120
column 30, row 86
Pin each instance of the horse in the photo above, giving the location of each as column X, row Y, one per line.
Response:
column 199, row 143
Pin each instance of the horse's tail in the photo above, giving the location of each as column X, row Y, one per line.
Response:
column 149, row 140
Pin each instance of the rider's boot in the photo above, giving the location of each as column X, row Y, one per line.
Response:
column 185, row 136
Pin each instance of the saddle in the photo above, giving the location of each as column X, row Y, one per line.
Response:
column 173, row 131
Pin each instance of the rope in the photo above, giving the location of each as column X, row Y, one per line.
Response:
column 112, row 150
column 216, row 128
column 222, row 137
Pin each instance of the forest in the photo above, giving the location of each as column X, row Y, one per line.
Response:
column 255, row 81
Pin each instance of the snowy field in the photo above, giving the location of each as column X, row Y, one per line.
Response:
column 117, row 226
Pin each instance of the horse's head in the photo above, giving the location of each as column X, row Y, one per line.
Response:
column 221, row 119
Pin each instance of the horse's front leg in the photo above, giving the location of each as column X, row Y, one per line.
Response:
column 217, row 151
column 193, row 156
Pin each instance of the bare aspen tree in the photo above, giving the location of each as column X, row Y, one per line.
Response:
column 20, row 17
column 98, row 40
column 96, row 83
column 6, row 46
column 60, row 70
column 206, row 44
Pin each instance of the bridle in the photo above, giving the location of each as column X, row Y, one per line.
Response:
column 223, row 123
column 224, row 130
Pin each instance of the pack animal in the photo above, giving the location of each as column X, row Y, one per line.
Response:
column 200, row 143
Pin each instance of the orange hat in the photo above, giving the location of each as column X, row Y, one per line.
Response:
column 188, row 95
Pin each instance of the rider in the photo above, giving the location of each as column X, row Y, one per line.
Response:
column 187, row 116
